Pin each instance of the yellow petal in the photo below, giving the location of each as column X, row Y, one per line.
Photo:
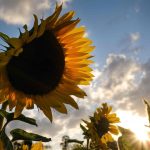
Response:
column 113, row 129
column 47, row 111
column 68, row 28
column 35, row 28
column 76, row 31
column 15, row 42
column 65, row 18
column 71, row 89
column 67, row 99
column 41, row 28
column 25, row 36
column 44, row 107
column 53, row 18
column 19, row 108
column 61, row 109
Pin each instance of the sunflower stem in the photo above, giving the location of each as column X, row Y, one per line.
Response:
column 87, row 146
column 4, row 107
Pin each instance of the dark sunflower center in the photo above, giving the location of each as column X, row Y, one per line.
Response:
column 39, row 68
column 103, row 126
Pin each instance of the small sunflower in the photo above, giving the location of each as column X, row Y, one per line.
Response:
column 45, row 65
column 101, row 125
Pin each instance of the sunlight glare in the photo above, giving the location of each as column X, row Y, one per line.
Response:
column 135, row 123
column 141, row 134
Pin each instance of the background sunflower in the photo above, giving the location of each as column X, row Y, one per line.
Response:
column 100, row 127
column 45, row 65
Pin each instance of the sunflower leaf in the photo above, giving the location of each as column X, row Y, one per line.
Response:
column 19, row 134
column 6, row 141
column 125, row 141
column 3, row 113
column 10, row 117
column 4, row 36
column 148, row 110
column 15, row 42
column 26, row 119
column 75, row 141
column 83, row 128
column 85, row 132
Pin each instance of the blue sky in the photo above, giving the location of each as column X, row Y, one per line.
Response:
column 120, row 31
column 109, row 23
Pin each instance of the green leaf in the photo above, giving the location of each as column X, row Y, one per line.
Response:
column 148, row 110
column 125, row 131
column 3, row 113
column 26, row 119
column 112, row 145
column 83, row 128
column 128, row 140
column 4, row 36
column 6, row 141
column 75, row 141
column 10, row 117
column 85, row 132
column 19, row 134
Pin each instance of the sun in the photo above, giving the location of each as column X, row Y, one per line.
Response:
column 135, row 123
column 141, row 134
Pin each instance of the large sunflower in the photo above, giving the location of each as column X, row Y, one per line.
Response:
column 101, row 125
column 45, row 65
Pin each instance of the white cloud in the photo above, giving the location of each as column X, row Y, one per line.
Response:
column 130, row 43
column 134, row 37
column 121, row 83
column 137, row 6
column 21, row 11
column 117, row 77
column 65, row 2
column 86, row 34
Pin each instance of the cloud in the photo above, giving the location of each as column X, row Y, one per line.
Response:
column 130, row 43
column 137, row 6
column 62, row 125
column 134, row 37
column 65, row 2
column 121, row 82
column 21, row 11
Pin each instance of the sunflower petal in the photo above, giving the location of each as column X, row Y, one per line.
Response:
column 61, row 108
column 68, row 28
column 4, row 37
column 25, row 35
column 113, row 129
column 65, row 18
column 48, row 113
column 41, row 28
column 53, row 18
column 15, row 42
column 67, row 99
column 35, row 28
column 19, row 108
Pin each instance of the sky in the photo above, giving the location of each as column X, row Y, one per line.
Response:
column 120, row 31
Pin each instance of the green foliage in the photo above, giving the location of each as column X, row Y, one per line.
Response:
column 128, row 140
column 19, row 134
column 6, row 141
column 148, row 110
column 112, row 145
column 85, row 132
column 4, row 36
column 10, row 117
column 78, row 147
